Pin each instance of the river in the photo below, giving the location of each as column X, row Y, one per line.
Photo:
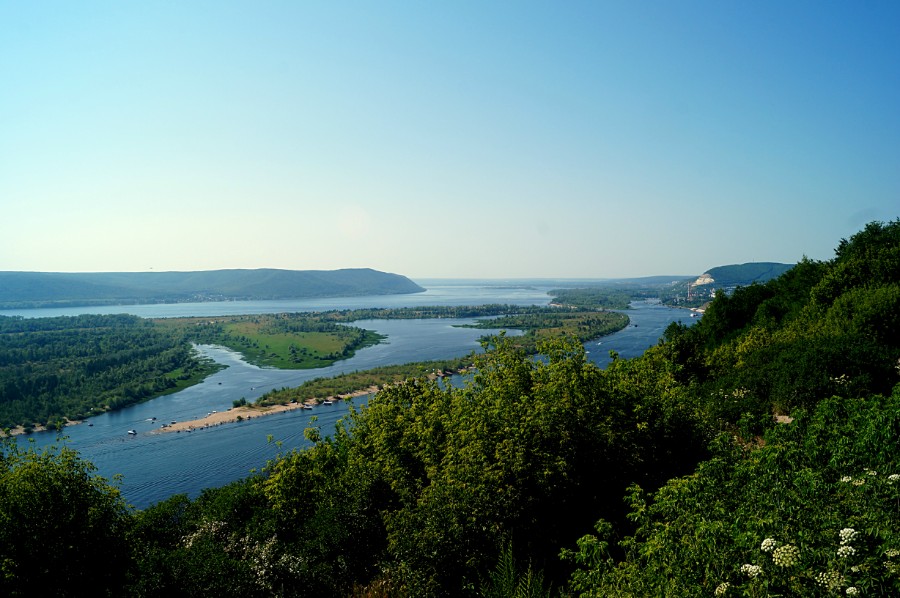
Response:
column 155, row 466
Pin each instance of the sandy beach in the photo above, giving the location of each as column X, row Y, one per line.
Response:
column 236, row 414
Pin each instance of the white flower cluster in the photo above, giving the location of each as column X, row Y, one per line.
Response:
column 722, row 588
column 841, row 380
column 768, row 545
column 859, row 482
column 740, row 393
column 871, row 472
column 830, row 580
column 852, row 591
column 848, row 534
column 893, row 478
column 845, row 551
column 751, row 570
column 267, row 561
column 786, row 556
column 214, row 529
column 847, row 479
column 890, row 565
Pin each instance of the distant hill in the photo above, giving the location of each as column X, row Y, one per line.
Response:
column 742, row 274
column 45, row 289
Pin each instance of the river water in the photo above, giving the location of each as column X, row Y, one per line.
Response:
column 154, row 466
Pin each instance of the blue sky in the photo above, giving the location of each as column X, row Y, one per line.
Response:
column 455, row 139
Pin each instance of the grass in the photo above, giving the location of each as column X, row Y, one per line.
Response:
column 285, row 341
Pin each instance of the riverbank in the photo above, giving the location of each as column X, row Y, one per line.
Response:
column 21, row 431
column 236, row 414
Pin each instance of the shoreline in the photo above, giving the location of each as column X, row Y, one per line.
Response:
column 245, row 412
column 20, row 430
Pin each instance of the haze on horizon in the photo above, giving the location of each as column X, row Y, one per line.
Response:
column 444, row 140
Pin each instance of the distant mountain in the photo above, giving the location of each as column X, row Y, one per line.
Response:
column 45, row 289
column 742, row 274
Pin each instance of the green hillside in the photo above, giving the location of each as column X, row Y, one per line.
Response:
column 41, row 289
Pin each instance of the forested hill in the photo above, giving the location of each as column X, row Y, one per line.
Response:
column 745, row 274
column 42, row 289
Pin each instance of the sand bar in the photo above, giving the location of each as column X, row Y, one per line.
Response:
column 236, row 414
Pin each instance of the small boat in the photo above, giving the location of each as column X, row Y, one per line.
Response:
column 326, row 402
column 308, row 407
column 132, row 432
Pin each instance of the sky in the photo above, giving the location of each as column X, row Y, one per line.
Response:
column 463, row 139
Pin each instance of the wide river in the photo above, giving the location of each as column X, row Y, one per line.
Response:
column 155, row 466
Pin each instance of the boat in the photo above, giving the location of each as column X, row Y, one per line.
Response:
column 307, row 407
column 327, row 402
column 132, row 432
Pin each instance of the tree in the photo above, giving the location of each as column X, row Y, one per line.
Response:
column 62, row 528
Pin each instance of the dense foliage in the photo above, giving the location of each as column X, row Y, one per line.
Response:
column 810, row 509
column 582, row 324
column 53, row 369
column 597, row 297
column 801, row 509
column 62, row 529
column 432, row 490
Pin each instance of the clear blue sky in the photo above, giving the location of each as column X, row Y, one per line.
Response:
column 444, row 139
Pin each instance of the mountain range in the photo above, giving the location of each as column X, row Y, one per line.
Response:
column 46, row 289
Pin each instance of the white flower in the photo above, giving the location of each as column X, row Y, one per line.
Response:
column 893, row 477
column 830, row 580
column 848, row 534
column 859, row 482
column 871, row 471
column 722, row 588
column 845, row 551
column 768, row 545
column 786, row 556
column 891, row 553
column 852, row 591
column 847, row 479
column 751, row 570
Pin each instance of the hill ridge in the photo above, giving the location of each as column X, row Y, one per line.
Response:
column 44, row 289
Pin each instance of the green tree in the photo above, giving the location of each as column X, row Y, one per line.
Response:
column 62, row 528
